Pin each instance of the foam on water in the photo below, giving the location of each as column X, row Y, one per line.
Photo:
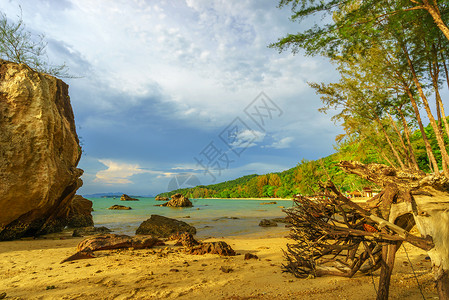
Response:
column 211, row 217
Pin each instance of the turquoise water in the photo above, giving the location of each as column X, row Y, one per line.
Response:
column 211, row 217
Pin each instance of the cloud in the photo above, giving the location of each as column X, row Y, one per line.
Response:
column 246, row 138
column 281, row 144
column 120, row 173
column 117, row 173
column 162, row 79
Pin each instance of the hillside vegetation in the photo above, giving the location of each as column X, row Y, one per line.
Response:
column 304, row 178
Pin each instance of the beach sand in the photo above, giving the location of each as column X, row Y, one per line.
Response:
column 31, row 269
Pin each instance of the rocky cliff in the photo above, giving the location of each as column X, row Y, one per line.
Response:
column 39, row 152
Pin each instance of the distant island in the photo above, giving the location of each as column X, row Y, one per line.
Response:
column 113, row 195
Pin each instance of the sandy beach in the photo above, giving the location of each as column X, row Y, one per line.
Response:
column 31, row 269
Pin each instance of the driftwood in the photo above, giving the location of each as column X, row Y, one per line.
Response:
column 335, row 236
column 87, row 246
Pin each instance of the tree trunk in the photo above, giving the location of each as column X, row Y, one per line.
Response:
column 409, row 143
column 401, row 140
column 388, row 256
column 444, row 154
column 433, row 74
column 432, row 159
column 435, row 77
column 396, row 154
column 433, row 10
column 387, row 159
column 445, row 70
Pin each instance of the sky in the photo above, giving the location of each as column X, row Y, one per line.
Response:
column 171, row 90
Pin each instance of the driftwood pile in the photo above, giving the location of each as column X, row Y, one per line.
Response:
column 335, row 236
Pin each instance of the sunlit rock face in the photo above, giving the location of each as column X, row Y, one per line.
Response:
column 39, row 152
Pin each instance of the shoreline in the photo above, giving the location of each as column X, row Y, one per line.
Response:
column 31, row 269
column 255, row 199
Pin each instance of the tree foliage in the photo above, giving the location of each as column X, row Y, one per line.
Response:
column 21, row 46
column 391, row 56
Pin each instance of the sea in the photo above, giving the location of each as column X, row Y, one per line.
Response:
column 211, row 217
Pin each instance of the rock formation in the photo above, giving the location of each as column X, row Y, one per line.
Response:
column 39, row 152
column 120, row 207
column 164, row 227
column 125, row 197
column 178, row 200
column 80, row 213
column 159, row 198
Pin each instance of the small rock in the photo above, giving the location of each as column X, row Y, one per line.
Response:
column 250, row 256
column 119, row 207
column 267, row 223
column 220, row 248
column 225, row 269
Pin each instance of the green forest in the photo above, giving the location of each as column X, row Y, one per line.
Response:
column 391, row 57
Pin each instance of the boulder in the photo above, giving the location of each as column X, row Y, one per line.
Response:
column 125, row 197
column 80, row 213
column 268, row 223
column 178, row 200
column 265, row 203
column 120, row 207
column 39, row 152
column 164, row 227
column 159, row 198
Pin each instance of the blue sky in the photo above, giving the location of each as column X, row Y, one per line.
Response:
column 171, row 87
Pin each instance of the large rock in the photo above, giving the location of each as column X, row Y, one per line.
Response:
column 125, row 197
column 39, row 152
column 80, row 213
column 178, row 200
column 164, row 227
column 159, row 198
